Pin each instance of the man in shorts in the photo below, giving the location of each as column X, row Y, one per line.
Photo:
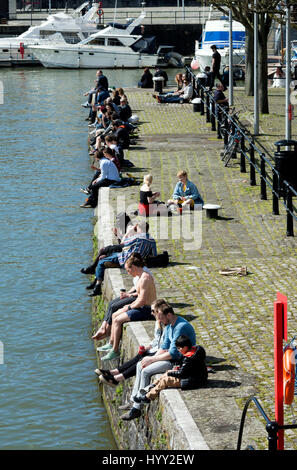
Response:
column 138, row 310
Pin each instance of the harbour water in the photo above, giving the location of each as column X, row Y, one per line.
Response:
column 49, row 396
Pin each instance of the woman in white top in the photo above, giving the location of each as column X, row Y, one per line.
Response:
column 279, row 78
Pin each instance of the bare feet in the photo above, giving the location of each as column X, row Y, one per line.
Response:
column 99, row 335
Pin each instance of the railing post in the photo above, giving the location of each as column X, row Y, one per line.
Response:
column 213, row 114
column 242, row 156
column 207, row 108
column 219, row 117
column 202, row 101
column 289, row 209
column 252, row 166
column 263, row 178
column 275, row 208
column 226, row 130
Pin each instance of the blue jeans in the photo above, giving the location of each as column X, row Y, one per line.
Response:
column 171, row 99
column 101, row 268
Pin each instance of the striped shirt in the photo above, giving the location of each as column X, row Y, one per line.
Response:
column 140, row 243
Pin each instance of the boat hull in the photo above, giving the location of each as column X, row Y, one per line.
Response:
column 204, row 57
column 88, row 59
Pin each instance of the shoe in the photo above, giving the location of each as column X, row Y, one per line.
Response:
column 154, row 96
column 92, row 285
column 109, row 381
column 144, row 391
column 110, row 355
column 125, row 407
column 106, row 347
column 86, row 205
column 132, row 414
column 85, row 190
column 96, row 291
column 88, row 270
column 141, row 400
column 87, row 119
column 86, row 105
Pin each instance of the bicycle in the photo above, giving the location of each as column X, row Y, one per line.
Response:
column 234, row 138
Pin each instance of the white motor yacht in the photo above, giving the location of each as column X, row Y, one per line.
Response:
column 216, row 32
column 116, row 45
column 57, row 28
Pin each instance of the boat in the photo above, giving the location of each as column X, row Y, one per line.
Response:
column 216, row 32
column 114, row 46
column 57, row 28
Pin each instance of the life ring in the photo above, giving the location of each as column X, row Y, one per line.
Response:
column 289, row 375
column 100, row 11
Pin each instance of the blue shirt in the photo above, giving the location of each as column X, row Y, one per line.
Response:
column 191, row 192
column 171, row 333
column 108, row 170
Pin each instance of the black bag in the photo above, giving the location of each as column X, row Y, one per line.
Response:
column 159, row 261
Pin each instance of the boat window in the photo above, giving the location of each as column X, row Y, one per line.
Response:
column 57, row 52
column 114, row 42
column 71, row 37
column 91, row 53
column 97, row 42
column 5, row 50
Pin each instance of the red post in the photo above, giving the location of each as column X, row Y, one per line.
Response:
column 280, row 334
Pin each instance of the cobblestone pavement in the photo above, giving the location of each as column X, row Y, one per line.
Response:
column 232, row 315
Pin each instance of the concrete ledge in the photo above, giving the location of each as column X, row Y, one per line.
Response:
column 166, row 423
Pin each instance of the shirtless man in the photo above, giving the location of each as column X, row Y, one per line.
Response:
column 138, row 310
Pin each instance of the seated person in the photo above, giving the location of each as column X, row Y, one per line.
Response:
column 179, row 96
column 138, row 310
column 139, row 242
column 219, row 95
column 185, row 192
column 124, row 111
column 125, row 298
column 147, row 201
column 191, row 374
column 146, row 80
column 279, row 78
column 122, row 135
column 108, row 175
column 164, row 357
column 128, row 369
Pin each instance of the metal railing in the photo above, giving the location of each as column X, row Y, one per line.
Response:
column 282, row 191
column 272, row 427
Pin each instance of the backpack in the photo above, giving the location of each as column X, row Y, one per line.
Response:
column 159, row 261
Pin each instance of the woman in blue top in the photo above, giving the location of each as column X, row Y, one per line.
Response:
column 185, row 192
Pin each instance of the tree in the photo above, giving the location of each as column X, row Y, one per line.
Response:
column 243, row 11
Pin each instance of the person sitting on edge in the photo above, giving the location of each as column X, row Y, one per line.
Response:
column 191, row 374
column 125, row 298
column 130, row 231
column 109, row 174
column 162, row 360
column 138, row 310
column 141, row 243
column 185, row 192
column 179, row 96
column 146, row 80
column 128, row 369
column 147, row 200
column 124, row 110
column 121, row 133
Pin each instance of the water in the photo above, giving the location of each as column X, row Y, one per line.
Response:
column 49, row 397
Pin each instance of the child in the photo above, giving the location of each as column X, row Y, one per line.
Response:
column 191, row 374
